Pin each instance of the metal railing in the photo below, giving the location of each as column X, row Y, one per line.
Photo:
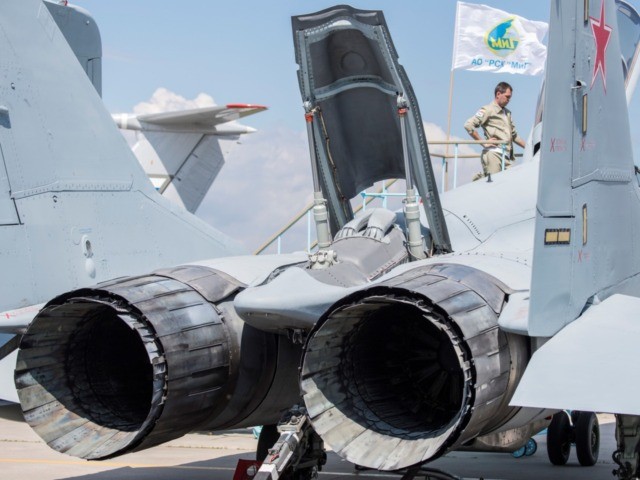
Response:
column 307, row 210
column 382, row 193
column 456, row 156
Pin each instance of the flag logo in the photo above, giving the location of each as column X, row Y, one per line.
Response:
column 503, row 39
column 490, row 40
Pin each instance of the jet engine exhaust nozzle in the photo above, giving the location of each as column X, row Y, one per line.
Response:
column 122, row 367
column 395, row 375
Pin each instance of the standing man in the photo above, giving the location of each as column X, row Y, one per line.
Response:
column 496, row 123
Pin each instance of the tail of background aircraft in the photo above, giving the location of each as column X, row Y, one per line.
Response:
column 75, row 206
column 182, row 152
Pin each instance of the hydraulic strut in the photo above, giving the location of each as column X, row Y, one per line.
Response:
column 411, row 207
column 299, row 452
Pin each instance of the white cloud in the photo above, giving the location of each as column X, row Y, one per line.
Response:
column 164, row 100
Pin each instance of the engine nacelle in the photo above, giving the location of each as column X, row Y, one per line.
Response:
column 398, row 374
column 140, row 361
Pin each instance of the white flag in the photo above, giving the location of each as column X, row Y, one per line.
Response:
column 490, row 40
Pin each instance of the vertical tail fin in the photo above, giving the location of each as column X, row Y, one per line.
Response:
column 588, row 207
column 75, row 206
column 182, row 166
column 83, row 36
column 182, row 151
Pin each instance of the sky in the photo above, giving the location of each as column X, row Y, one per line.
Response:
column 242, row 52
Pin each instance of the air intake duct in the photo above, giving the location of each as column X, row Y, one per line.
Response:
column 395, row 375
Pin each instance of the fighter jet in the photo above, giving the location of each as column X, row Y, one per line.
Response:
column 404, row 336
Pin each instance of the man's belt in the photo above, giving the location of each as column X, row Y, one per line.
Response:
column 498, row 149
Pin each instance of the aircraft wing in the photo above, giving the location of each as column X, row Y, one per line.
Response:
column 17, row 320
column 205, row 116
column 587, row 353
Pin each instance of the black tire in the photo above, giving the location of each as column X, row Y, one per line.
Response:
column 268, row 437
column 575, row 414
column 559, row 439
column 587, row 436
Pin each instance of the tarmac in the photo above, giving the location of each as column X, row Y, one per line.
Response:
column 23, row 455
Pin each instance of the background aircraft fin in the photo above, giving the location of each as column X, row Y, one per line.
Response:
column 183, row 151
column 182, row 166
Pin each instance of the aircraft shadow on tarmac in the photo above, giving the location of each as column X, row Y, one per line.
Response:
column 464, row 464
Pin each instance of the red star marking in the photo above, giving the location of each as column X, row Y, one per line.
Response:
column 601, row 34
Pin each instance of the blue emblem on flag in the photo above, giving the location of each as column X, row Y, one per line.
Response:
column 503, row 39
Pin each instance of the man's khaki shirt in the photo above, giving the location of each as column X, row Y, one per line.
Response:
column 495, row 122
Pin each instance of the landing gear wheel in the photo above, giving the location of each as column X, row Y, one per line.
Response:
column 587, row 433
column 559, row 439
column 268, row 437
